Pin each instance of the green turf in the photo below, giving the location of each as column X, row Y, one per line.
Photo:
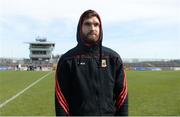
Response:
column 36, row 101
column 150, row 93
column 154, row 93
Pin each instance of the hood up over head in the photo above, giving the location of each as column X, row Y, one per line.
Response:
column 85, row 15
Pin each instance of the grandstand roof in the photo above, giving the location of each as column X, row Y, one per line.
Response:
column 40, row 40
column 47, row 42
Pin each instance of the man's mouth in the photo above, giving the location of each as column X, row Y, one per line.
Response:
column 92, row 34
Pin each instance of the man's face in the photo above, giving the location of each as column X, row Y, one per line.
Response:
column 91, row 29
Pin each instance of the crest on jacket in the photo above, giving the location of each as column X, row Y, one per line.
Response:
column 103, row 63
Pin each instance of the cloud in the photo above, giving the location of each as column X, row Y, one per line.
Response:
column 128, row 24
column 111, row 10
column 145, row 49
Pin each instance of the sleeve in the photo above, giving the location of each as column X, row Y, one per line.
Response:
column 61, row 89
column 120, row 90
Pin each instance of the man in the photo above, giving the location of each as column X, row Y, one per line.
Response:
column 90, row 78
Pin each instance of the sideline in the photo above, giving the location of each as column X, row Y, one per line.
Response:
column 21, row 92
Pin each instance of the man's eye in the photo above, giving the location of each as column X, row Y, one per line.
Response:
column 87, row 24
column 96, row 24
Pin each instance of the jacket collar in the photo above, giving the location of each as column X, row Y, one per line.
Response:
column 92, row 49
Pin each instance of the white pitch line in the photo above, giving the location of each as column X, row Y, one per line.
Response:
column 18, row 94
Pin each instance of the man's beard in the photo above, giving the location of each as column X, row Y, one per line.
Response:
column 90, row 38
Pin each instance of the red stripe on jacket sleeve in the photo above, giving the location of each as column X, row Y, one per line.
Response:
column 61, row 99
column 123, row 94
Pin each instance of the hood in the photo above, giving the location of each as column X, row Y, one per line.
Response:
column 79, row 30
column 80, row 40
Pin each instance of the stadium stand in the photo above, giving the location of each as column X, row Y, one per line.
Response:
column 153, row 65
column 27, row 64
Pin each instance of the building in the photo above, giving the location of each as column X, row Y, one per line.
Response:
column 41, row 50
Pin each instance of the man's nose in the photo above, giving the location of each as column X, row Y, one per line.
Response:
column 92, row 27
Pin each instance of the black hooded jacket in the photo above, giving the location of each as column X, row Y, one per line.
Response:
column 90, row 81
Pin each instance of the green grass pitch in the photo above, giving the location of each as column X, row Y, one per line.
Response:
column 150, row 93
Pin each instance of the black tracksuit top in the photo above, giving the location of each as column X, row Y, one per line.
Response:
column 85, row 88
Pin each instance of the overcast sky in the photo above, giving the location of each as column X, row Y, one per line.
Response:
column 133, row 28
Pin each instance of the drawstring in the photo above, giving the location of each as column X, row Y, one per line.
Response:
column 100, row 54
column 79, row 59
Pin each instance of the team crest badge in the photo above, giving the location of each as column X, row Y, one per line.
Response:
column 103, row 63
